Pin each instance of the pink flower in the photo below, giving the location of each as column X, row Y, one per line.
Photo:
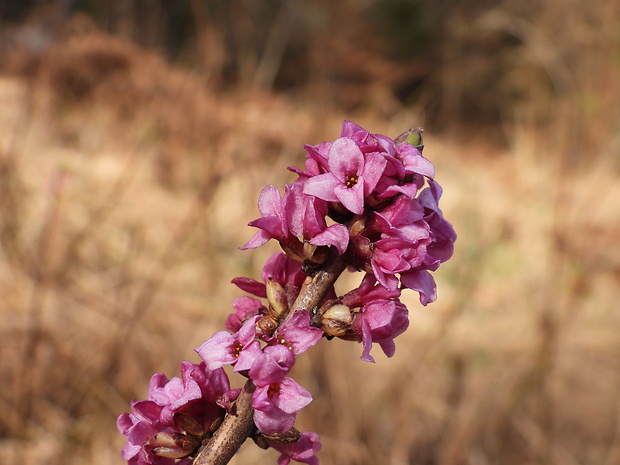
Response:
column 284, row 270
column 177, row 413
column 277, row 404
column 366, row 197
column 305, row 213
column 224, row 348
column 316, row 163
column 381, row 317
column 288, row 219
column 380, row 321
column 190, row 394
column 368, row 290
column 439, row 249
column 351, row 177
column 406, row 159
column 399, row 250
column 172, row 394
column 336, row 235
column 444, row 236
column 273, row 221
column 422, row 282
column 139, row 427
column 245, row 307
column 272, row 365
column 297, row 334
column 277, row 398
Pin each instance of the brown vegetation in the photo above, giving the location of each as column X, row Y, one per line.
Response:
column 126, row 183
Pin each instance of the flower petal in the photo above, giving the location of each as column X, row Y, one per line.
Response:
column 336, row 235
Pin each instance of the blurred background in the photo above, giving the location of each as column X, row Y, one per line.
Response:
column 135, row 137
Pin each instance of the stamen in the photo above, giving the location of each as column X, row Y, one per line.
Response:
column 351, row 181
column 274, row 388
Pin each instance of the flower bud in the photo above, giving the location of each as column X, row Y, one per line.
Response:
column 174, row 445
column 170, row 452
column 316, row 255
column 358, row 226
column 336, row 320
column 308, row 250
column 276, row 295
column 295, row 253
column 267, row 325
column 188, row 424
column 216, row 424
column 167, row 439
column 413, row 137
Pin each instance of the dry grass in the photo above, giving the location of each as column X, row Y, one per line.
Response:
column 122, row 203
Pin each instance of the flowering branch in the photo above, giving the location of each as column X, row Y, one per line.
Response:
column 236, row 428
column 381, row 201
column 315, row 288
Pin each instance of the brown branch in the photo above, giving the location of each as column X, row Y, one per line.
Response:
column 315, row 288
column 236, row 428
column 233, row 431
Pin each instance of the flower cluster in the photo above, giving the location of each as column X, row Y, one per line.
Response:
column 264, row 350
column 372, row 188
column 177, row 415
column 365, row 201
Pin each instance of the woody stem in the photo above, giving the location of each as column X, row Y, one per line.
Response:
column 236, row 427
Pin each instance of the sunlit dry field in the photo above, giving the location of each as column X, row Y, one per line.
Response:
column 122, row 207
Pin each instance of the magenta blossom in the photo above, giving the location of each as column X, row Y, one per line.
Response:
column 399, row 233
column 290, row 218
column 224, row 348
column 352, row 176
column 444, row 236
column 364, row 202
column 281, row 268
column 398, row 251
column 276, row 405
column 297, row 334
column 422, row 282
column 272, row 365
column 176, row 415
column 197, row 388
column 305, row 213
column 272, row 224
column 380, row 321
column 277, row 398
column 336, row 235
column 404, row 160
column 139, row 427
column 368, row 290
column 245, row 308
column 380, row 316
